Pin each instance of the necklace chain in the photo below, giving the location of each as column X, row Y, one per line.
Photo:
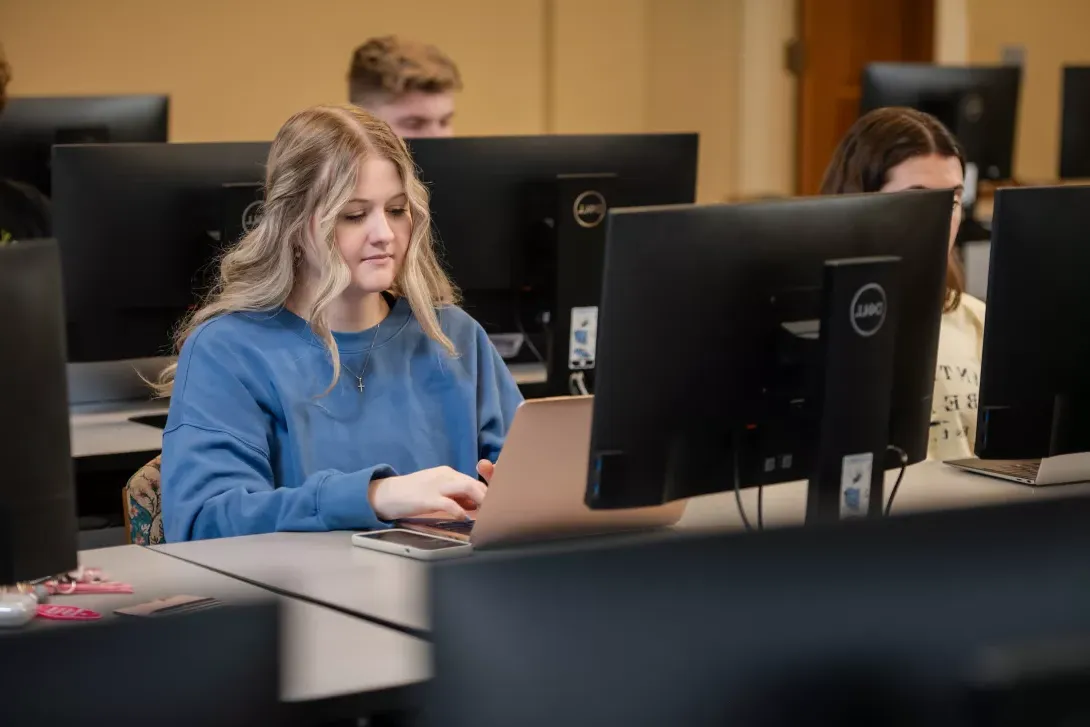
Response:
column 366, row 360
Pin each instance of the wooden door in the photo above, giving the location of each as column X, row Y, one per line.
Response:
column 836, row 39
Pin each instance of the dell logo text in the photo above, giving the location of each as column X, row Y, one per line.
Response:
column 251, row 216
column 868, row 310
column 589, row 209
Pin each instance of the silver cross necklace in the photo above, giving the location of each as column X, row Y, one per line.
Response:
column 366, row 360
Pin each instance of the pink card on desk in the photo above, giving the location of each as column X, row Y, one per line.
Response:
column 67, row 589
column 66, row 613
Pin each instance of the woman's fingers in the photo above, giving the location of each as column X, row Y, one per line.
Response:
column 462, row 487
column 486, row 469
column 449, row 506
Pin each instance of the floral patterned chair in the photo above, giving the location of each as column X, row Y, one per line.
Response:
column 143, row 513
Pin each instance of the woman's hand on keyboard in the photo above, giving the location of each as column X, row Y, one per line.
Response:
column 427, row 491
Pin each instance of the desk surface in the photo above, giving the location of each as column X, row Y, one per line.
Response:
column 326, row 654
column 102, row 430
column 389, row 589
column 105, row 430
column 323, row 567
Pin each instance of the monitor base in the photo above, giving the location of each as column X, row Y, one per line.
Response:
column 857, row 337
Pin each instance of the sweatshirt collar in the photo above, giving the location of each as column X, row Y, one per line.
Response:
column 391, row 325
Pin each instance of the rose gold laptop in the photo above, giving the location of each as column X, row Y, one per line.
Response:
column 537, row 489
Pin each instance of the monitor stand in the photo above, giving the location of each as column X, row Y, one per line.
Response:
column 577, row 207
column 972, row 230
column 1068, row 457
column 857, row 340
column 1037, row 429
column 1064, row 469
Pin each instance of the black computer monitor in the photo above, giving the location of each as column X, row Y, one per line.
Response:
column 979, row 104
column 139, row 227
column 978, row 617
column 708, row 352
column 38, row 527
column 520, row 221
column 217, row 668
column 1034, row 388
column 31, row 126
column 1075, row 128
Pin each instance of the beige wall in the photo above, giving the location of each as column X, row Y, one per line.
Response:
column 765, row 162
column 235, row 69
column 598, row 79
column 693, row 82
column 951, row 32
column 1053, row 33
column 650, row 65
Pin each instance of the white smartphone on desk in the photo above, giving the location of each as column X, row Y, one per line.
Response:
column 411, row 544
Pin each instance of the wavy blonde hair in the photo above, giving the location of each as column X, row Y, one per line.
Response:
column 311, row 175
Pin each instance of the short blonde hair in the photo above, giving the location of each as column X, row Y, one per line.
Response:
column 390, row 67
column 313, row 164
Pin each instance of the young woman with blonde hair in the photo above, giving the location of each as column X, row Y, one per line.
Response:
column 895, row 149
column 329, row 382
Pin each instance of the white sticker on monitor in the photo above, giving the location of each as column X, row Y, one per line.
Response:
column 583, row 339
column 855, row 482
column 972, row 178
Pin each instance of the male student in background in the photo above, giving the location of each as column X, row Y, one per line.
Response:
column 24, row 211
column 409, row 85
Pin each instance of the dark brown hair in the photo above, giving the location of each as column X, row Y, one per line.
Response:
column 390, row 66
column 878, row 142
column 5, row 79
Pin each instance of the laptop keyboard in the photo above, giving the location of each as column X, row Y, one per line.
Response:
column 1025, row 469
column 462, row 527
column 1022, row 469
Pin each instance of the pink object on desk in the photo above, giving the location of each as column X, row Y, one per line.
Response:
column 84, row 580
column 68, row 589
column 67, row 613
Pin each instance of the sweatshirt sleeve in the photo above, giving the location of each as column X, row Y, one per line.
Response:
column 498, row 397
column 217, row 472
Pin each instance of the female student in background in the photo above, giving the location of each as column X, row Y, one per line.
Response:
column 329, row 382
column 891, row 150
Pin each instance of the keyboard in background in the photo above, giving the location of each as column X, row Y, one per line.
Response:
column 159, row 421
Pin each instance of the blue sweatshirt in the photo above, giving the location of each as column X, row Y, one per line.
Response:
column 252, row 446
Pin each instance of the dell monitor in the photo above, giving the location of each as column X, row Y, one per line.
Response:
column 38, row 527
column 977, row 618
column 713, row 325
column 1034, row 388
column 979, row 104
column 1075, row 127
column 31, row 126
column 140, row 227
column 520, row 223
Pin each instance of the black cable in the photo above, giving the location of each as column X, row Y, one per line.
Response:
column 529, row 343
column 900, row 476
column 738, row 494
column 520, row 328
